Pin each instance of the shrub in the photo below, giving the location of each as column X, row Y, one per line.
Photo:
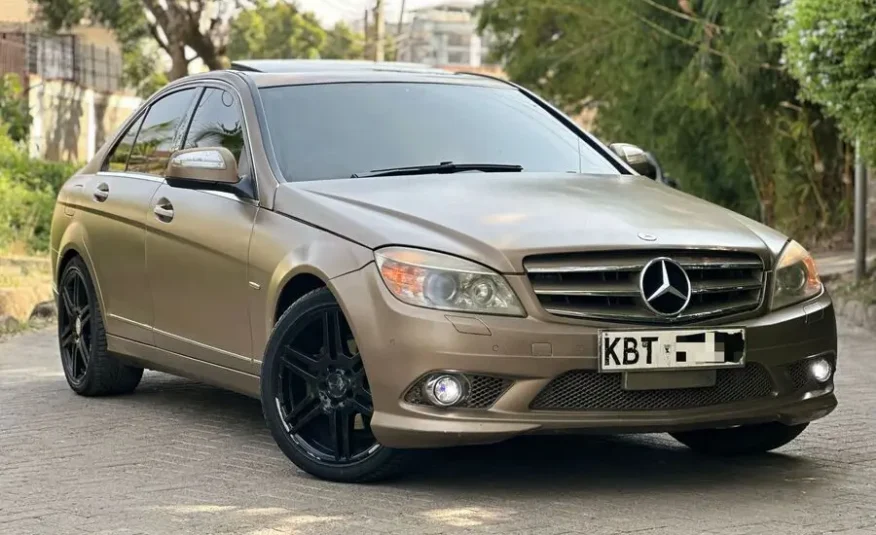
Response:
column 28, row 189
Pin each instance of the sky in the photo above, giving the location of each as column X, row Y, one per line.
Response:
column 331, row 11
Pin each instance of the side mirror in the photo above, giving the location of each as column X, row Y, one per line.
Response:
column 202, row 168
column 637, row 159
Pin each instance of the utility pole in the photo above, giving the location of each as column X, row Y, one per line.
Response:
column 367, row 34
column 379, row 31
column 398, row 31
column 860, row 214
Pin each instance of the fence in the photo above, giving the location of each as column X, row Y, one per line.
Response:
column 13, row 55
column 61, row 57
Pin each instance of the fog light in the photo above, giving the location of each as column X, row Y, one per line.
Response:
column 821, row 370
column 445, row 390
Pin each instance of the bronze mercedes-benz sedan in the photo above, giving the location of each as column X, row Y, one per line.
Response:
column 393, row 257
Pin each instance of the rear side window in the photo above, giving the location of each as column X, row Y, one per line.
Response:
column 155, row 142
column 217, row 122
column 118, row 158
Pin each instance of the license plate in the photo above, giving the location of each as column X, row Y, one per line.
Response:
column 621, row 351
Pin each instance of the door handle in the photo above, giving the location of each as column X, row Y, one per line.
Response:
column 101, row 192
column 163, row 211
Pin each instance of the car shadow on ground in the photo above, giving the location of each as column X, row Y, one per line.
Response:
column 549, row 463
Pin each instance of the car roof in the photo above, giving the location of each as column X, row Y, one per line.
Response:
column 270, row 73
column 323, row 65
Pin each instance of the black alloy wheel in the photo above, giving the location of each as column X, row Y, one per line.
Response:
column 323, row 394
column 89, row 368
column 75, row 325
column 316, row 397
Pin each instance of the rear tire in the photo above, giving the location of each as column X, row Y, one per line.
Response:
column 316, row 399
column 744, row 440
column 90, row 370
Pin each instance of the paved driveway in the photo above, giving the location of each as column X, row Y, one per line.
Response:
column 178, row 457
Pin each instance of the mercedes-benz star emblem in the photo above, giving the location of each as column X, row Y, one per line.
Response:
column 665, row 287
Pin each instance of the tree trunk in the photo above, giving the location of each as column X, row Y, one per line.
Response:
column 213, row 61
column 179, row 66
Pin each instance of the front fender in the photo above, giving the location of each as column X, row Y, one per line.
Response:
column 282, row 249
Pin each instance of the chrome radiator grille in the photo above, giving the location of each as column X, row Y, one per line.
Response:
column 605, row 285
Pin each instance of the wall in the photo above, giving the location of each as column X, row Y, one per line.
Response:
column 16, row 11
column 71, row 122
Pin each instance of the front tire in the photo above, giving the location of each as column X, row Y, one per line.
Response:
column 89, row 368
column 743, row 440
column 316, row 398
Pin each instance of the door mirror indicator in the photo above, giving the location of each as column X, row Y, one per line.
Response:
column 636, row 158
column 205, row 166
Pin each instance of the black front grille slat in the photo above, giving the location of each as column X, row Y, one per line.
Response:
column 484, row 392
column 585, row 390
column 605, row 285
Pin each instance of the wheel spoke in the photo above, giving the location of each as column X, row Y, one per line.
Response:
column 362, row 408
column 83, row 352
column 312, row 410
column 74, row 360
column 340, row 425
column 76, row 284
column 305, row 404
column 67, row 336
column 299, row 363
column 85, row 317
column 67, row 301
column 331, row 334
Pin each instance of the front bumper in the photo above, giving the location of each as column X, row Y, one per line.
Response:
column 400, row 344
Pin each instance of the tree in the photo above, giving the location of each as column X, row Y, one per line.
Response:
column 831, row 50
column 697, row 82
column 174, row 25
column 14, row 113
column 343, row 43
column 281, row 30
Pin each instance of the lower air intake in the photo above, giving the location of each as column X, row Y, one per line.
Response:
column 584, row 390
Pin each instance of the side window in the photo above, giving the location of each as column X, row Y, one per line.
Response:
column 218, row 122
column 156, row 138
column 118, row 157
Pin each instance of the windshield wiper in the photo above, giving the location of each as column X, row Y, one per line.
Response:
column 442, row 168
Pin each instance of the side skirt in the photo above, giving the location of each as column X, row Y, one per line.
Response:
column 155, row 358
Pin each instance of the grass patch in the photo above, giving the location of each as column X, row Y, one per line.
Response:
column 23, row 275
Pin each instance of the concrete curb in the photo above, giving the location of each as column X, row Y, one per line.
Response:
column 856, row 312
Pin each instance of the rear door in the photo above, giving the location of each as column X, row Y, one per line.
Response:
column 197, row 249
column 113, row 211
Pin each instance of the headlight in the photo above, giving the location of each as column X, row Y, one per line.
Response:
column 444, row 282
column 796, row 277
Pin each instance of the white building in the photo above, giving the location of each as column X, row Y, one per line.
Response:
column 445, row 35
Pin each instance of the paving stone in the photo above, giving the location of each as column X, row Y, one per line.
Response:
column 180, row 457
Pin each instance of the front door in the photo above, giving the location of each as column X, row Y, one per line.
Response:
column 197, row 246
column 113, row 207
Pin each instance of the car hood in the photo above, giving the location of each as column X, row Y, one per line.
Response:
column 497, row 219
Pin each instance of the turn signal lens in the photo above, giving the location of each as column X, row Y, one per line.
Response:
column 444, row 282
column 796, row 277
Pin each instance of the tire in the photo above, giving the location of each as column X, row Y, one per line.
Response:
column 302, row 400
column 90, row 370
column 744, row 440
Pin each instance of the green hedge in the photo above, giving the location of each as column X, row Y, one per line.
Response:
column 28, row 189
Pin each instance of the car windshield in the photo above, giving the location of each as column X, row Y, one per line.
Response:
column 337, row 130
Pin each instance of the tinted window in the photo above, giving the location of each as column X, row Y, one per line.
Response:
column 155, row 142
column 335, row 130
column 217, row 123
column 118, row 158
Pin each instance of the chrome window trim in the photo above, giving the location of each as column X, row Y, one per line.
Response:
column 225, row 86
column 188, row 84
